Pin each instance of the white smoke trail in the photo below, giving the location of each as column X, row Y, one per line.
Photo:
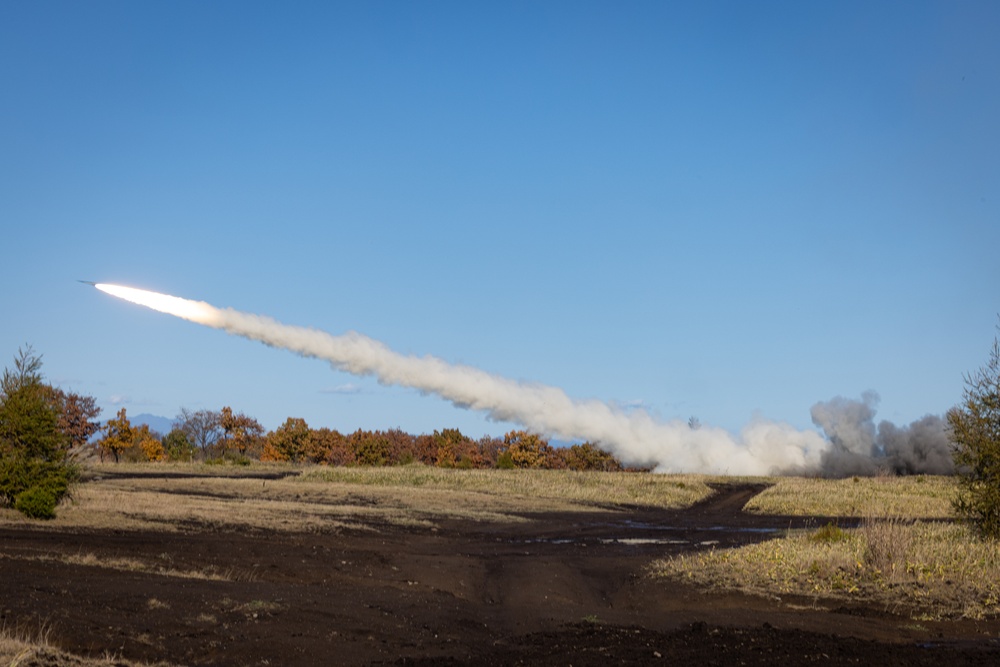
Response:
column 635, row 437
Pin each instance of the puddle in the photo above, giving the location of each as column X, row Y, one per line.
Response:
column 582, row 541
column 639, row 525
column 641, row 540
column 666, row 539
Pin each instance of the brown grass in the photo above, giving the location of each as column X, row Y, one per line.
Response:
column 604, row 489
column 896, row 557
column 888, row 543
column 917, row 497
column 34, row 649
column 321, row 499
column 930, row 570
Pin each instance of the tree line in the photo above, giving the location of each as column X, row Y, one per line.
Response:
column 226, row 435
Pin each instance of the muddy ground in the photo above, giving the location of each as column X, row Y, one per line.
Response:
column 562, row 589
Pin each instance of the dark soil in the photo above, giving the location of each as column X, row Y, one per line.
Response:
column 563, row 589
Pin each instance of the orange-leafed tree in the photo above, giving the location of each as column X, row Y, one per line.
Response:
column 77, row 415
column 526, row 450
column 589, row 456
column 402, row 446
column 146, row 442
column 453, row 450
column 425, row 449
column 288, row 442
column 371, row 448
column 488, row 451
column 329, row 446
column 240, row 434
column 118, row 436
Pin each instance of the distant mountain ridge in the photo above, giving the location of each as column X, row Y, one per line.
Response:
column 161, row 425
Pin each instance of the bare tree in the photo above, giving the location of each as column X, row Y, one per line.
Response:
column 202, row 428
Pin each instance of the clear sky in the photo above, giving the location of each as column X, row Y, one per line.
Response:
column 718, row 209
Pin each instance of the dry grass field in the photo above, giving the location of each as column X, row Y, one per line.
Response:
column 875, row 543
column 282, row 498
column 890, row 545
column 914, row 497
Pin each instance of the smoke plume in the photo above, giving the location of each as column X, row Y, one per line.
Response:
column 857, row 447
column 636, row 438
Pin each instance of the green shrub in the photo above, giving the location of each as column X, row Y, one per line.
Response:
column 828, row 534
column 35, row 470
column 13, row 479
column 27, row 483
column 975, row 430
column 38, row 502
column 505, row 461
column 37, row 487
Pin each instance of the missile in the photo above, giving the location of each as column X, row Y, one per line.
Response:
column 87, row 282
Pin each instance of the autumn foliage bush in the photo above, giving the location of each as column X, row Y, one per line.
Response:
column 295, row 442
column 228, row 436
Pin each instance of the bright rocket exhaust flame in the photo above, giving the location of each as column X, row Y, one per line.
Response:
column 195, row 311
column 636, row 438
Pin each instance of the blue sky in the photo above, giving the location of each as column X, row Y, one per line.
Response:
column 719, row 209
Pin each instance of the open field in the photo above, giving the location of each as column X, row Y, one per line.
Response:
column 914, row 497
column 283, row 498
column 307, row 566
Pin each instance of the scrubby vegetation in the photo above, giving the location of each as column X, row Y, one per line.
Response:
column 233, row 437
column 928, row 569
column 975, row 429
column 889, row 546
column 38, row 426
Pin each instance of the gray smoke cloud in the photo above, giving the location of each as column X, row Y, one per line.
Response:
column 858, row 447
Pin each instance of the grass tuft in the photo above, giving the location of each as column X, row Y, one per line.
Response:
column 888, row 543
column 20, row 648
column 829, row 533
